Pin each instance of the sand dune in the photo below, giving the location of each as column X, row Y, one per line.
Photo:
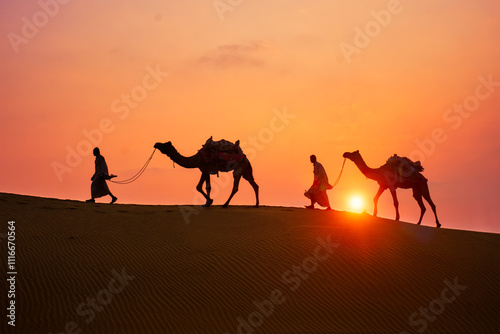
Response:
column 99, row 268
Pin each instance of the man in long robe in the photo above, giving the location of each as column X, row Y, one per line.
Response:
column 317, row 192
column 99, row 187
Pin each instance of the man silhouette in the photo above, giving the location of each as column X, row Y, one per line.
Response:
column 99, row 187
column 317, row 192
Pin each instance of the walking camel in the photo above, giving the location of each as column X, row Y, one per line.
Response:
column 388, row 177
column 240, row 169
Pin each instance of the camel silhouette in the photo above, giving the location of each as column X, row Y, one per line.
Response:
column 243, row 168
column 388, row 177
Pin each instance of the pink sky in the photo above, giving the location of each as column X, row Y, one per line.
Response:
column 378, row 76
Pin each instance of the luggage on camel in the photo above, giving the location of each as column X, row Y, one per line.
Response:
column 405, row 168
column 221, row 152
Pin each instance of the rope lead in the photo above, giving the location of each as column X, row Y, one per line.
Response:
column 139, row 173
column 338, row 178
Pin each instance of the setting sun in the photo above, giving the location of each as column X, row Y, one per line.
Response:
column 356, row 203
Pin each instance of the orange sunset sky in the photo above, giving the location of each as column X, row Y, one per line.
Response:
column 288, row 78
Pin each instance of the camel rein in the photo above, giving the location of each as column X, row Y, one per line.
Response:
column 338, row 178
column 138, row 174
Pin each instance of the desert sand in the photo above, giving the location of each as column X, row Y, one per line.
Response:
column 101, row 268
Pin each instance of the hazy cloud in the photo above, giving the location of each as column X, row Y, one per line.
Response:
column 230, row 55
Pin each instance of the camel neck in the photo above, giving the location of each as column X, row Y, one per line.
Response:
column 186, row 162
column 363, row 167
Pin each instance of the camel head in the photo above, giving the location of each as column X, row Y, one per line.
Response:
column 352, row 156
column 165, row 148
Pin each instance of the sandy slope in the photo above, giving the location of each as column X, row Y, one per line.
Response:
column 99, row 268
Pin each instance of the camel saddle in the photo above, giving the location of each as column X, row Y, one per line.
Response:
column 221, row 152
column 405, row 168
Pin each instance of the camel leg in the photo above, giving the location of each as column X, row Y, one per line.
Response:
column 418, row 197
column 209, row 188
column 248, row 175
column 205, row 177
column 235, row 189
column 381, row 189
column 395, row 200
column 256, row 190
column 427, row 197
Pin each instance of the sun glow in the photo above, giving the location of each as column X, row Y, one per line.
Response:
column 357, row 203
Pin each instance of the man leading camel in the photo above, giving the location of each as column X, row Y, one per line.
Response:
column 99, row 187
column 317, row 192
